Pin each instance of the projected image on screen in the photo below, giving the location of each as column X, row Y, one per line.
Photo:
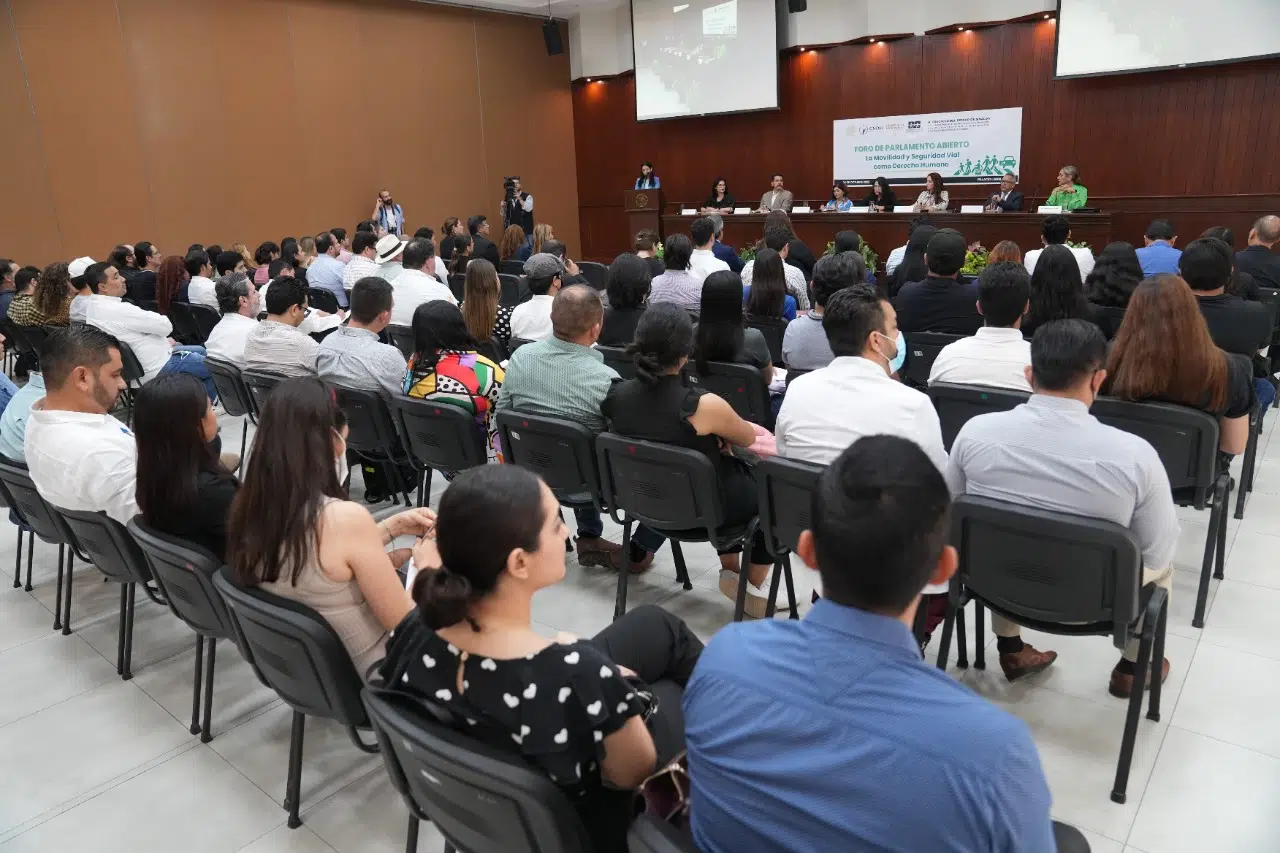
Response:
column 704, row 56
column 1111, row 37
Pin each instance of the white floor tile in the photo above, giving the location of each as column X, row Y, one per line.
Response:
column 1101, row 844
column 282, row 839
column 368, row 816
column 1254, row 559
column 44, row 672
column 1206, row 795
column 1182, row 603
column 1244, row 618
column 1231, row 696
column 1262, row 514
column 22, row 618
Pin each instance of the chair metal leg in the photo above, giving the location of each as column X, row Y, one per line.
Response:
column 1140, row 669
column 921, row 620
column 294, row 780
column 206, row 734
column 1247, row 466
column 124, row 604
column 128, row 631
column 944, row 644
column 791, row 586
column 770, row 606
column 1157, row 657
column 962, row 645
column 1221, row 555
column 979, row 638
column 411, row 840
column 1206, row 565
column 57, row 601
column 66, row 592
column 17, row 563
column 682, row 571
column 195, row 689
column 740, row 602
column 31, row 548
column 620, row 605
column 244, row 443
column 449, row 848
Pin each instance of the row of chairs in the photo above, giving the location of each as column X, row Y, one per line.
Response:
column 596, row 274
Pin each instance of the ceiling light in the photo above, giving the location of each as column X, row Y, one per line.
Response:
column 873, row 41
column 588, row 79
column 1047, row 17
column 961, row 29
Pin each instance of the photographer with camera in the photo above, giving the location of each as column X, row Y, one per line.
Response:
column 517, row 206
column 388, row 216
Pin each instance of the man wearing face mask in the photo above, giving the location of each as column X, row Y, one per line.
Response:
column 1050, row 453
column 387, row 215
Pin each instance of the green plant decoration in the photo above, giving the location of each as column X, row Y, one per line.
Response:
column 975, row 260
column 869, row 256
column 747, row 253
column 1078, row 245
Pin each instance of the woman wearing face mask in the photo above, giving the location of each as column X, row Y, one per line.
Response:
column 293, row 533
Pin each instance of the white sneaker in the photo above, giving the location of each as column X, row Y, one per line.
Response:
column 757, row 603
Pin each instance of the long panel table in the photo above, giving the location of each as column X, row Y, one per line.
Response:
column 887, row 231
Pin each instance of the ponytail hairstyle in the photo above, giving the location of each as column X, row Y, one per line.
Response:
column 664, row 336
column 486, row 513
column 461, row 254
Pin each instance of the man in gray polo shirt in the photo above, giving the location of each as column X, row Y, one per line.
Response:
column 804, row 346
column 1050, row 453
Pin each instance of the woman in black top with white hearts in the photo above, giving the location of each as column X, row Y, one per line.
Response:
column 575, row 709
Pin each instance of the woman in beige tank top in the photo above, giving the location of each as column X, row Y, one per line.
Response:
column 293, row 533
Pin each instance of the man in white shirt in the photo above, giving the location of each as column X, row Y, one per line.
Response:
column 200, row 290
column 997, row 356
column 362, row 263
column 79, row 270
column 704, row 261
column 353, row 356
column 532, row 320
column 1056, row 231
column 415, row 285
column 778, row 240
column 238, row 299
column 81, row 458
column 277, row 345
column 326, row 271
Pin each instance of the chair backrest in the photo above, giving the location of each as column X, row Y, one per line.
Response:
column 510, row 267
column 324, row 300
column 1108, row 318
column 482, row 800
column 27, row 502
column 458, row 285
column 184, row 323
column 617, row 358
column 561, row 452
column 17, row 334
column 955, row 404
column 514, row 343
column 149, row 305
column 294, row 651
column 793, row 375
column 510, row 285
column 109, row 545
column 205, row 318
column 185, row 573
column 438, row 435
column 741, row 385
column 660, row 485
column 402, row 337
column 369, row 424
column 595, row 273
column 133, row 371
column 648, row 834
column 786, row 489
column 773, row 330
column 1047, row 566
column 922, row 352
column 260, row 383
column 232, row 391
column 493, row 350
column 35, row 336
column 1185, row 438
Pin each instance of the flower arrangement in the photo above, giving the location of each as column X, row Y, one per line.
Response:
column 869, row 256
column 975, row 260
column 1080, row 244
column 747, row 253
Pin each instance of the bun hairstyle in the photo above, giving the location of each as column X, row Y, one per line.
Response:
column 664, row 335
column 484, row 515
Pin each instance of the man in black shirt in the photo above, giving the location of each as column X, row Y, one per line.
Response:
column 1236, row 326
column 1258, row 260
column 482, row 246
column 940, row 303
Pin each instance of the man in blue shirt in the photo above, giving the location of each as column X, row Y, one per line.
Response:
column 1159, row 255
column 831, row 734
column 326, row 270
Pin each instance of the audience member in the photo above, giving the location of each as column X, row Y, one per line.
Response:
column 22, row 310
column 344, row 244
column 200, row 289
column 462, row 254
column 703, row 261
column 766, row 297
column 238, row 301
column 997, row 355
column 141, row 285
column 263, row 256
column 895, row 257
column 13, row 421
column 720, row 334
column 486, row 318
column 1006, row 251
column 912, row 265
column 677, row 284
column 363, row 261
column 307, row 254
column 224, row 265
column 482, row 246
column 532, row 320
column 1164, row 352
column 447, row 367
column 86, row 283
column 805, row 346
column 542, row 234
column 657, row 406
column 250, row 265
column 183, row 488
column 352, row 355
column 172, row 281
column 293, row 533
column 453, row 227
column 1258, row 258
column 50, row 301
column 79, row 456
column 1056, row 231
column 777, row 240
column 390, row 257
column 1242, row 284
column 1056, row 292
column 276, row 345
column 849, row 676
column 940, row 302
column 414, row 285
column 646, row 246
column 1111, row 281
column 573, row 275
column 513, row 239
column 798, row 254
column 1158, row 253
column 722, row 251
column 326, row 271
column 630, row 278
column 8, row 285
column 579, row 705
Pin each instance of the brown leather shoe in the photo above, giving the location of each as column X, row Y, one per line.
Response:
column 1122, row 682
column 597, row 551
column 638, row 567
column 1026, row 661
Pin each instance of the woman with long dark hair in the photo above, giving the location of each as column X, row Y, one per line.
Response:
column 629, row 282
column 447, row 367
column 913, row 266
column 1114, row 276
column 512, row 239
column 840, row 201
column 184, row 489
column 51, row 299
column 486, row 319
column 719, row 201
column 657, row 406
column 1056, row 292
column 767, row 297
column 882, row 197
column 171, row 283
column 596, row 716
column 462, row 245
column 721, row 335
column 263, row 256
column 934, row 198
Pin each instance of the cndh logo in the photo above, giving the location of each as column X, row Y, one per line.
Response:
column 869, row 128
column 914, row 125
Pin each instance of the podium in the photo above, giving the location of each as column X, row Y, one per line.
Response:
column 644, row 210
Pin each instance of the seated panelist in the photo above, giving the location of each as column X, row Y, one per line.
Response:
column 840, row 201
column 1069, row 194
column 881, row 198
column 719, row 201
column 1008, row 200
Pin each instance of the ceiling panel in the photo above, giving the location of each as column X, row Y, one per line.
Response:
column 558, row 8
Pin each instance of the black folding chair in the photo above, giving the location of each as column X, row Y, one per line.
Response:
column 512, row 294
column 493, row 350
column 204, row 318
column 673, row 490
column 956, row 404
column 482, row 799
column 323, row 300
column 458, row 286
column 560, row 451
column 1108, row 318
column 260, row 383
column 514, row 343
column 740, row 385
column 184, row 323
column 148, row 305
column 112, row 550
column 438, row 437
column 794, row 374
column 1250, row 461
column 509, row 267
column 234, row 395
column 648, row 834
column 7, row 501
column 296, row 653
column 372, row 434
column 21, row 343
column 402, row 337
column 1187, row 441
column 617, row 358
column 596, row 274
column 773, row 330
column 184, row 572
column 786, row 510
column 1060, row 574
column 44, row 521
column 922, row 352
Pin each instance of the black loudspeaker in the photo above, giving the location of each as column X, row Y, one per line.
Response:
column 551, row 35
column 794, row 6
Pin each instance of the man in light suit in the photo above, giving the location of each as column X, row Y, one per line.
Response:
column 776, row 198
column 1008, row 200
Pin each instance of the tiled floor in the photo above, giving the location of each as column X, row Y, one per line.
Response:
column 93, row 763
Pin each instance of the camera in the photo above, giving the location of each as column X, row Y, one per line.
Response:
column 509, row 185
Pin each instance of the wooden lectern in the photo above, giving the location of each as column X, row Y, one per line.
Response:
column 644, row 210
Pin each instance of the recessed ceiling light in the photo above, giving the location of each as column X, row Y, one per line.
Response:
column 961, row 29
column 1047, row 17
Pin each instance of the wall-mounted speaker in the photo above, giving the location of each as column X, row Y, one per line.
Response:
column 551, row 35
column 794, row 6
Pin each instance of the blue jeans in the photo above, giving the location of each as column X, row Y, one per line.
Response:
column 1266, row 393
column 591, row 526
column 190, row 360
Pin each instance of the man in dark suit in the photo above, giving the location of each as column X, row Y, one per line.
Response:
column 1258, row 260
column 723, row 251
column 1008, row 200
column 940, row 303
column 481, row 245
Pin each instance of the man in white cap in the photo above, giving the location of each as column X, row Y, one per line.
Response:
column 531, row 320
column 389, row 251
column 76, row 269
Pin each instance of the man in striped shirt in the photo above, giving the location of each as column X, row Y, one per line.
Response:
column 276, row 345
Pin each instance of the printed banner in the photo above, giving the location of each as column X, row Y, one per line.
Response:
column 971, row 147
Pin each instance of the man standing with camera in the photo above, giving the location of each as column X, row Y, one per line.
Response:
column 517, row 206
column 389, row 216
